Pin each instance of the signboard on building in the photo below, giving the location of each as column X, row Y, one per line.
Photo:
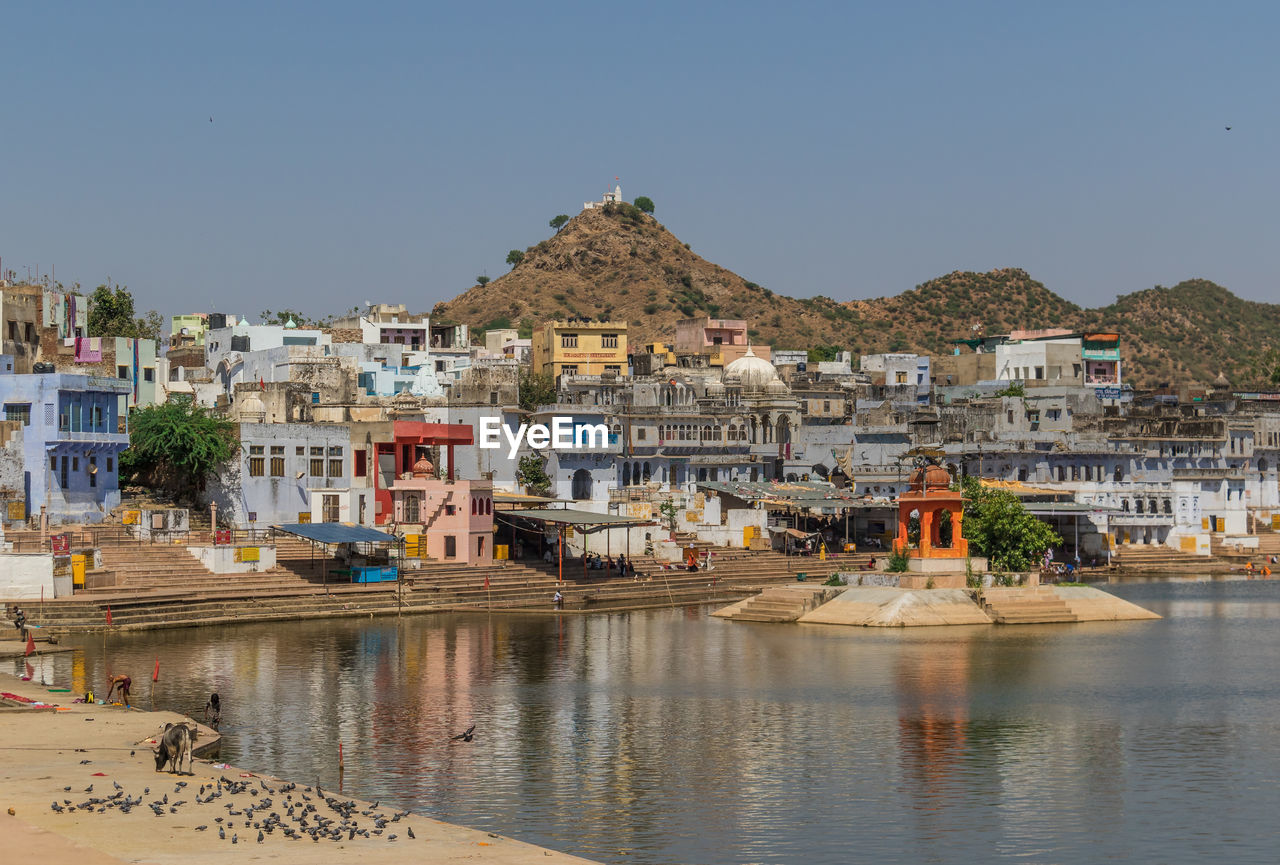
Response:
column 61, row 544
column 247, row 554
column 1107, row 392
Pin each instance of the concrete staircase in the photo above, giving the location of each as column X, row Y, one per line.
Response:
column 1025, row 606
column 782, row 603
column 1157, row 557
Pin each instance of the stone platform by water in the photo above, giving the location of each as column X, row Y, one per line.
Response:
column 886, row 607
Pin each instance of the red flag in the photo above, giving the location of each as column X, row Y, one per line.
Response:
column 486, row 582
column 155, row 677
column 31, row 644
column 262, row 384
column 108, row 615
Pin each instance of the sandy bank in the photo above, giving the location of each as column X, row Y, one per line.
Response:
column 106, row 748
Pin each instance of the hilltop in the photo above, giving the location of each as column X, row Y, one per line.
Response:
column 617, row 262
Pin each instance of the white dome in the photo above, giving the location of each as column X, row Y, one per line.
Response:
column 750, row 372
column 251, row 408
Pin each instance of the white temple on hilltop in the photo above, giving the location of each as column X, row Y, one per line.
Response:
column 614, row 197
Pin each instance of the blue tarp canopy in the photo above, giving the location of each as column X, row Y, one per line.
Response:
column 337, row 533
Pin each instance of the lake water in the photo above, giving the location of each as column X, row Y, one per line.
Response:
column 670, row 736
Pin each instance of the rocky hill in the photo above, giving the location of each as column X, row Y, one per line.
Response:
column 617, row 262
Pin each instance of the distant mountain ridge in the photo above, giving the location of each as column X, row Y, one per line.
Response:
column 617, row 262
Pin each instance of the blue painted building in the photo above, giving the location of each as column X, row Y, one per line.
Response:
column 72, row 436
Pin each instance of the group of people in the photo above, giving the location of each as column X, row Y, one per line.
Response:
column 595, row 563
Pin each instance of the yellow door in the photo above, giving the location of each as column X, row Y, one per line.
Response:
column 748, row 532
column 77, row 571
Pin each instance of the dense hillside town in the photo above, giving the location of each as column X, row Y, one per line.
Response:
column 415, row 425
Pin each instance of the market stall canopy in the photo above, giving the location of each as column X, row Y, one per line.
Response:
column 337, row 533
column 590, row 521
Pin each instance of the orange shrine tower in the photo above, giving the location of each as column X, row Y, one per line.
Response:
column 929, row 493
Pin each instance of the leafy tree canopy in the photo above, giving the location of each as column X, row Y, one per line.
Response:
column 284, row 316
column 557, row 222
column 111, row 313
column 645, row 203
column 176, row 446
column 514, row 257
column 482, row 280
column 532, row 472
column 536, row 389
column 999, row 527
column 1014, row 389
column 824, row 353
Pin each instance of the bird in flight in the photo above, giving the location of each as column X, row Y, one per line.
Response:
column 1228, row 128
column 466, row 735
column 211, row 120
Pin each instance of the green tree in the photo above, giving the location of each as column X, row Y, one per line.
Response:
column 645, row 203
column 111, row 313
column 824, row 353
column 1013, row 389
column 1264, row 367
column 557, row 222
column 284, row 316
column 482, row 280
column 999, row 527
column 536, row 389
column 176, row 447
column 532, row 473
column 670, row 514
column 514, row 257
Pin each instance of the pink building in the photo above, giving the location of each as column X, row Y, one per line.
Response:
column 454, row 518
column 722, row 340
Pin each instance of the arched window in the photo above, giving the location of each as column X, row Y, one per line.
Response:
column 473, row 507
column 646, row 473
column 488, row 507
column 626, row 474
column 410, row 509
column 1119, row 475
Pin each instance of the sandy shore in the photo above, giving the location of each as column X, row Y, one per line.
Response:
column 147, row 816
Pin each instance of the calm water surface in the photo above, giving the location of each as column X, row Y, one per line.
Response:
column 669, row 736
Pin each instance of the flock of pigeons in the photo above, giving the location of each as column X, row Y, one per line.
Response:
column 255, row 806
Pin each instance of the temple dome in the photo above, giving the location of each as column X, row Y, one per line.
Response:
column 930, row 478
column 424, row 468
column 751, row 372
column 252, row 409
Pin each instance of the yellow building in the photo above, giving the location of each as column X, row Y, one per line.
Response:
column 580, row 347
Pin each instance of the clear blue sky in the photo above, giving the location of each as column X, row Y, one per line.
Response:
column 394, row 151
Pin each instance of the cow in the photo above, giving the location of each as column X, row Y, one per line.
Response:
column 172, row 747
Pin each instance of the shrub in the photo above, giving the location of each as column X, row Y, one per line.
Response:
column 897, row 561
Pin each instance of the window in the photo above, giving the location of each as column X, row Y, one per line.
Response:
column 19, row 411
column 474, row 503
column 64, row 472
column 450, row 547
column 75, row 464
column 329, row 509
column 568, row 340
column 93, row 471
column 335, row 468
column 569, row 369
column 360, row 469
column 450, row 510
column 1039, row 372
column 122, row 372
column 613, row 368
column 110, row 465
column 640, row 433
column 257, row 463
column 148, row 374
column 410, row 509
column 300, row 451
column 493, row 397
column 609, row 340
column 900, row 378
column 277, row 461
column 315, row 397
column 826, row 406
column 29, row 331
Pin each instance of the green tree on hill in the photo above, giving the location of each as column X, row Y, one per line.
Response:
column 645, row 203
column 514, row 257
column 557, row 222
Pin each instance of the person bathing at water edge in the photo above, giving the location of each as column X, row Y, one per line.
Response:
column 124, row 683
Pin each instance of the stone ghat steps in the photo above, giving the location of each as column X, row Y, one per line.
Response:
column 1025, row 607
column 779, row 604
column 1160, row 558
